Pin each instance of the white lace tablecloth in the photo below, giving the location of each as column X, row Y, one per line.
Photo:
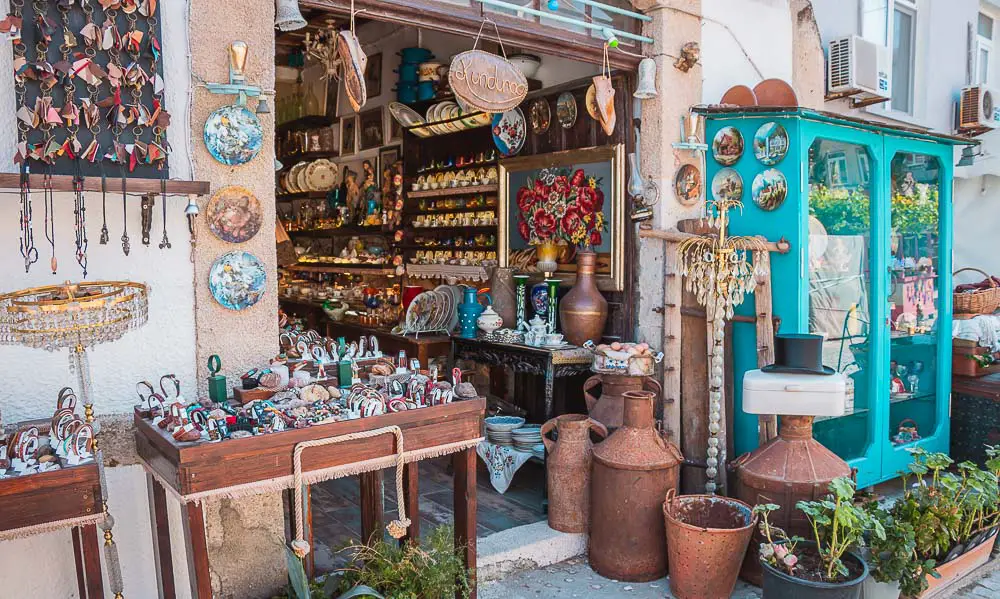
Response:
column 502, row 462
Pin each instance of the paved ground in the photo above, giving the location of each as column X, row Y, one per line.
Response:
column 574, row 579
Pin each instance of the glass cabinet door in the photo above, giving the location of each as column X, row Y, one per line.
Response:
column 914, row 297
column 840, row 262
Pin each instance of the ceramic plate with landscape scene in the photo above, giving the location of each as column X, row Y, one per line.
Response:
column 509, row 131
column 566, row 110
column 769, row 189
column 237, row 280
column 727, row 146
column 770, row 143
column 572, row 198
column 233, row 135
column 727, row 185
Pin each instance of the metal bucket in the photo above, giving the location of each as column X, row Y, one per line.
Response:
column 707, row 537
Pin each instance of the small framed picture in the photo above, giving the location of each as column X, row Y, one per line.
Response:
column 373, row 76
column 349, row 135
column 371, row 132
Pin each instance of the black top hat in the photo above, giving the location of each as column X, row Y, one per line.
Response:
column 798, row 354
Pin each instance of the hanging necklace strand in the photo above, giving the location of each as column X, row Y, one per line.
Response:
column 28, row 250
column 165, row 242
column 125, row 240
column 80, row 214
column 105, row 236
column 48, row 198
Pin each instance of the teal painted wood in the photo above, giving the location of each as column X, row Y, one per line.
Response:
column 879, row 460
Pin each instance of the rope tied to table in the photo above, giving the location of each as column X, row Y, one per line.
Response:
column 397, row 528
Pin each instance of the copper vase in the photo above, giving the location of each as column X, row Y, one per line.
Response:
column 584, row 311
column 633, row 470
column 568, row 470
column 503, row 295
column 609, row 408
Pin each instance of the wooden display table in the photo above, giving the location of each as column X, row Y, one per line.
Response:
column 65, row 498
column 260, row 464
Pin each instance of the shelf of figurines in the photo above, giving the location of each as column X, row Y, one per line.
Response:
column 110, row 184
column 347, row 269
column 47, row 470
column 206, row 445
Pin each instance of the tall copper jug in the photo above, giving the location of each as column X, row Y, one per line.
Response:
column 568, row 470
column 633, row 470
column 609, row 408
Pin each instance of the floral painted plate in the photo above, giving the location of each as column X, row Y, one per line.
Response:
column 234, row 214
column 566, row 110
column 233, row 135
column 509, row 131
column 727, row 185
column 769, row 189
column 237, row 280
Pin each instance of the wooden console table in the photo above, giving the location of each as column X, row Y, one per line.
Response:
column 65, row 498
column 525, row 359
column 195, row 471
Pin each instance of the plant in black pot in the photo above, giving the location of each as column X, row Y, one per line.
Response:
column 824, row 567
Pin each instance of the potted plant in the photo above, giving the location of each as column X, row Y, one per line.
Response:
column 892, row 560
column 824, row 567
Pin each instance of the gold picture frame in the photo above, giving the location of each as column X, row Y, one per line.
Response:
column 606, row 166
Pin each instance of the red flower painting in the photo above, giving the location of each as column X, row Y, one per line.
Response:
column 561, row 204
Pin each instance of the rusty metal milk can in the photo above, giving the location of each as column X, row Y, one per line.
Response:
column 790, row 468
column 609, row 407
column 568, row 470
column 633, row 470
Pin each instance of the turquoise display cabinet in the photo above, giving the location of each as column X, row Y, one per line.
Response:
column 867, row 209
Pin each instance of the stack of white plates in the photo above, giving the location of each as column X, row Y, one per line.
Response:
column 498, row 429
column 527, row 437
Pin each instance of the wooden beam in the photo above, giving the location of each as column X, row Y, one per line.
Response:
column 411, row 501
column 673, row 292
column 90, row 546
column 197, row 542
column 112, row 184
column 782, row 246
column 465, row 512
column 162, row 554
column 372, row 510
column 767, row 424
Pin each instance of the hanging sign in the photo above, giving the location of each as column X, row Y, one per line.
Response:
column 487, row 82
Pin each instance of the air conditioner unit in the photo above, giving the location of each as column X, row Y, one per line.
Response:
column 978, row 108
column 859, row 68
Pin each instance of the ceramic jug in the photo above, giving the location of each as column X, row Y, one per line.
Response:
column 489, row 320
column 468, row 312
column 568, row 470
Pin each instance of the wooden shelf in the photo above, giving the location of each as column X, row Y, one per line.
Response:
column 455, row 169
column 305, row 195
column 453, row 191
column 348, row 269
column 448, row 210
column 312, row 121
column 112, row 184
column 464, row 248
column 455, row 228
column 307, row 156
column 338, row 231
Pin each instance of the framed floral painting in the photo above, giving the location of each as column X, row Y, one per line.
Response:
column 573, row 199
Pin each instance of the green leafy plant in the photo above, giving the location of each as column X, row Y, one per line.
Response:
column 778, row 550
column 838, row 525
column 893, row 558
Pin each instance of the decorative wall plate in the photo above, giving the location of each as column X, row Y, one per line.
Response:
column 321, row 175
column 237, row 280
column 233, row 135
column 591, row 102
column 727, row 185
column 770, row 143
column 727, row 146
column 509, row 131
column 566, row 110
column 687, row 184
column 404, row 115
column 769, row 189
column 541, row 117
column 234, row 214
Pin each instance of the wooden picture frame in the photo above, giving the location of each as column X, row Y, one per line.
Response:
column 371, row 129
column 373, row 76
column 601, row 169
column 349, row 135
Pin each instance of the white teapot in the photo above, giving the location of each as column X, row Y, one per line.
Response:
column 536, row 331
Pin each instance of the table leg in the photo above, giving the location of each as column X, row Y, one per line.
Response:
column 411, row 501
column 197, row 543
column 87, row 553
column 307, row 517
column 550, row 378
column 81, row 580
column 372, row 510
column 161, row 539
column 465, row 511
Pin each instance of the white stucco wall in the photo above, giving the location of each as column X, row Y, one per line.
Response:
column 43, row 566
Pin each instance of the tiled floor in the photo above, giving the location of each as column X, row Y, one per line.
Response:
column 337, row 515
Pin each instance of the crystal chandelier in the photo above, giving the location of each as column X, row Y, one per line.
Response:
column 720, row 274
column 78, row 316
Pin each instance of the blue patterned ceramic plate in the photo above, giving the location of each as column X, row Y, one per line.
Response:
column 237, row 280
column 504, row 423
column 233, row 135
column 509, row 131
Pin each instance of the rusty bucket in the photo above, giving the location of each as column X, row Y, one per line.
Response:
column 707, row 537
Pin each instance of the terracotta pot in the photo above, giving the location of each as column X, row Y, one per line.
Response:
column 568, row 470
column 706, row 533
column 956, row 569
column 633, row 470
column 584, row 311
column 609, row 408
column 503, row 294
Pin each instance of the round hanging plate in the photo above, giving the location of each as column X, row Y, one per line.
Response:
column 727, row 146
column 727, row 185
column 237, row 280
column 509, row 131
column 566, row 110
column 687, row 184
column 234, row 214
column 541, row 117
column 405, row 115
column 233, row 135
column 592, row 109
column 769, row 189
column 300, row 177
column 770, row 143
column 321, row 175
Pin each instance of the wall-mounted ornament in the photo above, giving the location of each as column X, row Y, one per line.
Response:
column 727, row 184
column 234, row 214
column 605, row 96
column 727, row 146
column 566, row 110
column 687, row 185
column 509, row 131
column 770, row 143
column 769, row 189
column 233, row 134
column 237, row 280
column 485, row 81
column 541, row 116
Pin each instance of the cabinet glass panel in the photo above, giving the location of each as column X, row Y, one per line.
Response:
column 839, row 259
column 913, row 299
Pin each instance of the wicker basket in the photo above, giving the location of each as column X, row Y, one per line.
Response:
column 984, row 301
